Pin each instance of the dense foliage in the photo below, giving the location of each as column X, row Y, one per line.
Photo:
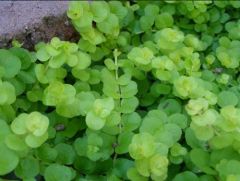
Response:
column 150, row 92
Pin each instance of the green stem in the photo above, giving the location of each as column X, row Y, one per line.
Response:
column 116, row 54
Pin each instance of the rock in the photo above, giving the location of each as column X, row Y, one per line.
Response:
column 32, row 21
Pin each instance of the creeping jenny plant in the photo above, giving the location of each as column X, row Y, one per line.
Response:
column 149, row 92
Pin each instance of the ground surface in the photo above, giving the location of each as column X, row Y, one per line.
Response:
column 33, row 21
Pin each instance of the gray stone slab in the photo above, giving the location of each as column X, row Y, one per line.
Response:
column 18, row 15
column 30, row 22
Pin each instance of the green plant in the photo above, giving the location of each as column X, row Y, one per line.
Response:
column 150, row 92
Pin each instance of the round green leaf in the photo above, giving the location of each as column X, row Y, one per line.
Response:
column 58, row 172
column 66, row 154
column 124, row 139
column 10, row 63
column 94, row 122
column 46, row 153
column 15, row 142
column 35, row 141
column 4, row 130
column 129, row 105
column 131, row 121
column 18, row 125
column 226, row 98
column 186, row 176
column 8, row 159
column 27, row 168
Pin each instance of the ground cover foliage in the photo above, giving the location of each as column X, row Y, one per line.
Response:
column 150, row 92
